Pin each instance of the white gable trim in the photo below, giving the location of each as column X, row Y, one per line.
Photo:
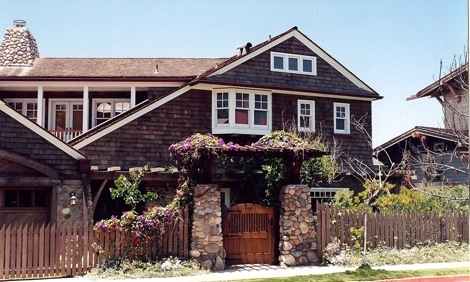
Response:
column 130, row 118
column 307, row 42
column 210, row 87
column 41, row 132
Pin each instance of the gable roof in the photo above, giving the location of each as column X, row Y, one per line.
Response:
column 41, row 132
column 268, row 44
column 218, row 68
column 440, row 133
column 432, row 89
column 117, row 68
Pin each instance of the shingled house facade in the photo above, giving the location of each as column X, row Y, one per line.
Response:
column 123, row 114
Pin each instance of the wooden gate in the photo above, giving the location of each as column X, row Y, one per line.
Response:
column 248, row 234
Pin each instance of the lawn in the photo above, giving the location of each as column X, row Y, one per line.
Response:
column 367, row 274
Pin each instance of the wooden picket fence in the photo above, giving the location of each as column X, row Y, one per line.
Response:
column 42, row 251
column 391, row 229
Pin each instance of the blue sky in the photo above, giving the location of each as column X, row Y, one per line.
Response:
column 393, row 46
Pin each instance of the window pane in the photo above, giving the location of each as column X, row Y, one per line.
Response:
column 340, row 112
column 10, row 199
column 305, row 122
column 222, row 116
column 340, row 124
column 261, row 102
column 241, row 116
column 242, row 100
column 40, row 199
column 293, row 64
column 122, row 107
column 261, row 118
column 307, row 65
column 278, row 63
column 25, row 198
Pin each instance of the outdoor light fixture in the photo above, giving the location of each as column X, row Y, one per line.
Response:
column 73, row 199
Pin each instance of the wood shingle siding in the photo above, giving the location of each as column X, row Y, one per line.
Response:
column 257, row 72
column 17, row 138
column 146, row 139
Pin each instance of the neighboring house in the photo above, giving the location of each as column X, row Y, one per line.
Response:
column 125, row 113
column 435, row 154
column 39, row 174
column 427, row 155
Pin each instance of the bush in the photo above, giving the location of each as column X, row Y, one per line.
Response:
column 124, row 268
column 341, row 255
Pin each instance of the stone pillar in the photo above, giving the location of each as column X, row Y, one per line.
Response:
column 206, row 237
column 66, row 213
column 297, row 242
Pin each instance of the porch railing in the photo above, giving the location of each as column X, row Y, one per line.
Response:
column 65, row 135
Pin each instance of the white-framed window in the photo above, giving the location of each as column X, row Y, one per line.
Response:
column 26, row 107
column 306, row 115
column 241, row 111
column 341, row 118
column 104, row 109
column 284, row 62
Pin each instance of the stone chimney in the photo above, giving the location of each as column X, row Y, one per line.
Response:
column 18, row 48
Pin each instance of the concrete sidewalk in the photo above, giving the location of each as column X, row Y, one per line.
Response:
column 252, row 271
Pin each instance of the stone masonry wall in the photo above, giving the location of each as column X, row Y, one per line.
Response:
column 66, row 213
column 297, row 242
column 206, row 239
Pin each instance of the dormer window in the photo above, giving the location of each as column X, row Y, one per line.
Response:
column 291, row 63
column 241, row 111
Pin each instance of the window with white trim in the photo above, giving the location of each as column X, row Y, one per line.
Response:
column 321, row 194
column 283, row 62
column 241, row 112
column 341, row 118
column 306, row 115
column 28, row 108
column 104, row 109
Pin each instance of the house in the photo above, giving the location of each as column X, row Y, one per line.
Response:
column 427, row 154
column 435, row 155
column 124, row 113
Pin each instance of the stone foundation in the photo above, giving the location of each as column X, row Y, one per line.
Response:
column 297, row 242
column 206, row 239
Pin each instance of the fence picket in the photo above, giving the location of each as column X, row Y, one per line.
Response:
column 392, row 230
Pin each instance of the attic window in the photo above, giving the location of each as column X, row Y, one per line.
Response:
column 291, row 63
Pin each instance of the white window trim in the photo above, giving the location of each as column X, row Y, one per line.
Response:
column 312, row 115
column 439, row 147
column 300, row 60
column 347, row 122
column 232, row 127
column 28, row 100
column 113, row 107
column 325, row 193
column 51, row 120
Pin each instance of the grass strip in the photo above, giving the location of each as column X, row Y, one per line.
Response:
column 367, row 274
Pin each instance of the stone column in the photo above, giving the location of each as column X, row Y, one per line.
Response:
column 297, row 242
column 206, row 237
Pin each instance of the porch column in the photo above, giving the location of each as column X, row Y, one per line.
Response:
column 86, row 109
column 297, row 242
column 132, row 96
column 206, row 236
column 40, row 113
